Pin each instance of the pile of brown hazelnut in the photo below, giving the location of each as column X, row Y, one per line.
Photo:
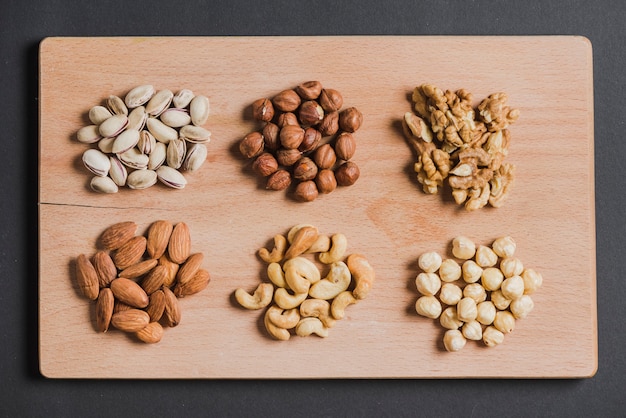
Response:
column 307, row 139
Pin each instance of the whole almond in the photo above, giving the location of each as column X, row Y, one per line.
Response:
column 131, row 320
column 152, row 333
column 179, row 245
column 302, row 240
column 154, row 280
column 189, row 268
column 129, row 292
column 130, row 253
column 116, row 235
column 156, row 306
column 104, row 309
column 172, row 269
column 172, row 310
column 138, row 269
column 87, row 277
column 105, row 268
column 197, row 283
column 158, row 238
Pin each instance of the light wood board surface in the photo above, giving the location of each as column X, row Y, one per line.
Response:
column 385, row 215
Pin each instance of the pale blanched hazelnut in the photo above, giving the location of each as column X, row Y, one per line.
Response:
column 453, row 340
column 492, row 337
column 532, row 281
column 472, row 330
column 492, row 278
column 429, row 262
column 504, row 247
column 499, row 300
column 472, row 272
column 504, row 322
column 511, row 266
column 520, row 308
column 449, row 271
column 463, row 248
column 450, row 294
column 512, row 288
column 466, row 309
column 485, row 257
column 485, row 312
column 475, row 291
column 428, row 283
column 428, row 306
column 449, row 319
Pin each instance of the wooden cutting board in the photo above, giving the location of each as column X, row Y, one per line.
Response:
column 385, row 215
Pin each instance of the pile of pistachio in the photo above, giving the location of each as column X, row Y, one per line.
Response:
column 150, row 135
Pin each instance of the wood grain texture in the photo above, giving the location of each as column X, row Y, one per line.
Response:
column 385, row 216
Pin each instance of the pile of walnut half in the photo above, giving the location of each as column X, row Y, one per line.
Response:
column 300, row 297
column 464, row 145
column 307, row 138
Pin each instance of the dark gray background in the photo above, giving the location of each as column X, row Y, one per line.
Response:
column 23, row 25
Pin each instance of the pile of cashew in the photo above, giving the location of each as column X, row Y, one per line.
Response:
column 298, row 297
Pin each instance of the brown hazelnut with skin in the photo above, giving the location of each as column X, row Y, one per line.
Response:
column 312, row 138
column 287, row 101
column 263, row 110
column 330, row 100
column 325, row 156
column 304, row 169
column 252, row 144
column 310, row 90
column 280, row 180
column 291, row 136
column 350, row 119
column 347, row 174
column 287, row 118
column 287, row 157
column 265, row 164
column 330, row 124
column 345, row 146
column 326, row 181
column 306, row 191
column 311, row 113
column 270, row 134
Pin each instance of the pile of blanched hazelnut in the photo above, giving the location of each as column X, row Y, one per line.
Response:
column 484, row 295
column 307, row 138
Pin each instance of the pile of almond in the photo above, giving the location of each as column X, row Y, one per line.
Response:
column 136, row 280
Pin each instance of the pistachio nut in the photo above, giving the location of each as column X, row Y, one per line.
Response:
column 176, row 150
column 118, row 172
column 195, row 134
column 196, row 156
column 175, row 117
column 141, row 179
column 96, row 162
column 171, row 177
column 161, row 131
column 159, row 102
column 146, row 142
column 137, row 118
column 103, row 185
column 134, row 158
column 116, row 106
column 182, row 98
column 113, row 126
column 88, row 134
column 106, row 144
column 99, row 114
column 125, row 141
column 157, row 156
column 199, row 110
column 139, row 96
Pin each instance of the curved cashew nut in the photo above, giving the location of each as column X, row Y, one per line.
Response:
column 300, row 274
column 302, row 240
column 363, row 274
column 294, row 229
column 321, row 245
column 285, row 319
column 310, row 325
column 288, row 301
column 278, row 333
column 280, row 244
column 336, row 251
column 317, row 308
column 261, row 297
column 276, row 275
column 341, row 301
column 337, row 281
